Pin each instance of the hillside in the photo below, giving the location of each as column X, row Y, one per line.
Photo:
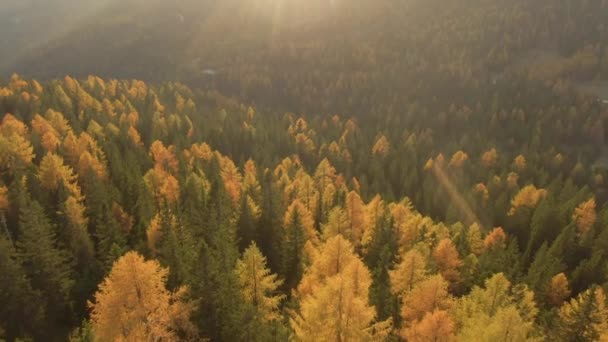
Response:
column 339, row 56
column 288, row 170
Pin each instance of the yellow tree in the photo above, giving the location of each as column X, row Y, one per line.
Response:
column 334, row 298
column 53, row 173
column 489, row 158
column 496, row 312
column 585, row 216
column 436, row 326
column 132, row 304
column 251, row 186
column 381, row 147
column 528, row 197
column 458, row 159
column 409, row 272
column 16, row 151
column 497, row 238
column 258, row 285
column 357, row 217
column 474, row 240
column 585, row 317
column 425, row 297
column 559, row 290
column 337, row 223
column 520, row 163
column 448, row 260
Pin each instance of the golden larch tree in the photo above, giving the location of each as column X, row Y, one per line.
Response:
column 585, row 317
column 528, row 197
column 448, row 260
column 334, row 298
column 427, row 296
column 381, row 147
column 258, row 285
column 489, row 158
column 436, row 326
column 409, row 272
column 133, row 304
column 458, row 159
column 585, row 216
column 497, row 238
column 558, row 289
column 476, row 245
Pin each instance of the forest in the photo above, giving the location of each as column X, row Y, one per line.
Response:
column 335, row 173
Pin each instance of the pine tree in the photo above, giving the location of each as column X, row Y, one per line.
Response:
column 20, row 311
column 44, row 262
column 298, row 228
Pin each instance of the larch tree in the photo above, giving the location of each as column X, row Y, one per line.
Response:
column 410, row 271
column 584, row 318
column 497, row 312
column 585, row 216
column 334, row 298
column 357, row 217
column 559, row 289
column 258, row 285
column 436, row 326
column 448, row 260
column 381, row 147
column 132, row 303
column 427, row 296
column 528, row 197
column 474, row 239
column 489, row 158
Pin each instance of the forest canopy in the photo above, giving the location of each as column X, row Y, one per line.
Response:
column 333, row 173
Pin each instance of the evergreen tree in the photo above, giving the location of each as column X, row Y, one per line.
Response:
column 44, row 262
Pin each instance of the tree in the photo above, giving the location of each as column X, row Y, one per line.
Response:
column 476, row 244
column 427, row 296
column 381, row 147
column 436, row 326
column 298, row 229
column 497, row 312
column 334, row 298
column 132, row 303
column 409, row 272
column 585, row 216
column 45, row 263
column 584, row 318
column 258, row 285
column 20, row 311
column 559, row 290
column 489, row 158
column 458, row 160
column 528, row 197
column 448, row 261
column 496, row 239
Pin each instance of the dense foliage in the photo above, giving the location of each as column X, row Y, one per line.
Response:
column 332, row 171
column 205, row 219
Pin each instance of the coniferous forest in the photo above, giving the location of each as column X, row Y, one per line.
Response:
column 324, row 171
